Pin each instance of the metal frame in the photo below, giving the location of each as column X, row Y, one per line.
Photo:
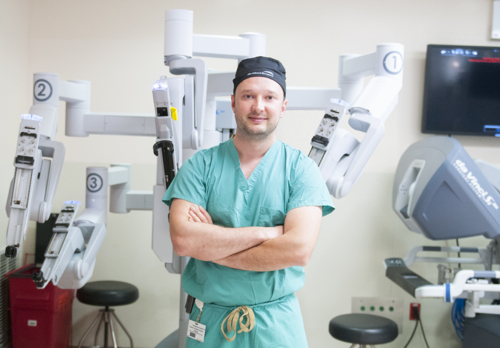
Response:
column 105, row 316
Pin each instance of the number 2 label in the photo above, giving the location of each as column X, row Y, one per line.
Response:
column 42, row 90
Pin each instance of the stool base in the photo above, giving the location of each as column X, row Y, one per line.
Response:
column 105, row 316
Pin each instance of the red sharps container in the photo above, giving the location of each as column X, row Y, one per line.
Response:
column 40, row 318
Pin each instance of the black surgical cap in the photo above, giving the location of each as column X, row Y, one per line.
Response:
column 260, row 67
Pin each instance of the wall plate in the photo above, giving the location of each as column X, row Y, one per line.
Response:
column 391, row 308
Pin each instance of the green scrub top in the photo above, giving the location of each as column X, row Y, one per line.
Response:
column 283, row 180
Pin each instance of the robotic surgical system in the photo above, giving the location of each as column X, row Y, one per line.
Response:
column 192, row 112
column 440, row 192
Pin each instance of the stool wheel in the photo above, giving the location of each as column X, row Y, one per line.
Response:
column 363, row 329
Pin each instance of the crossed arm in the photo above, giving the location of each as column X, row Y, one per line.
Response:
column 249, row 248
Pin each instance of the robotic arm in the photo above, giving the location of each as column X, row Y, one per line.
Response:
column 65, row 247
column 39, row 159
column 339, row 155
column 71, row 255
column 27, row 163
column 37, row 173
column 38, row 164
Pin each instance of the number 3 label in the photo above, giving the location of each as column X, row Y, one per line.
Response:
column 94, row 183
column 42, row 90
column 393, row 62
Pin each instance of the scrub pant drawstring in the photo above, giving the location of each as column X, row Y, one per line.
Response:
column 232, row 320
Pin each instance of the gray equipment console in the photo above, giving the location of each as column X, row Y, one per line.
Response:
column 440, row 192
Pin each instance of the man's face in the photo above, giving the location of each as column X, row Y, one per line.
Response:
column 258, row 105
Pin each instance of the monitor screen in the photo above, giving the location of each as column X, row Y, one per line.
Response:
column 462, row 90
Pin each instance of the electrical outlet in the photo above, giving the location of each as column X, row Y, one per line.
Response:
column 391, row 308
column 412, row 306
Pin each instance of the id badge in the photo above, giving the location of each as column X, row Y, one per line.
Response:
column 196, row 331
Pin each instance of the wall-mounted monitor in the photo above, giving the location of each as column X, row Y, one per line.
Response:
column 462, row 90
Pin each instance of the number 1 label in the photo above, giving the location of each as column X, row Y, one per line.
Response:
column 393, row 62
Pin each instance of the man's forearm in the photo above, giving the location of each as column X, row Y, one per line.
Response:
column 293, row 248
column 275, row 254
column 208, row 242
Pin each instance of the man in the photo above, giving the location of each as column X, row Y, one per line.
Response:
column 248, row 212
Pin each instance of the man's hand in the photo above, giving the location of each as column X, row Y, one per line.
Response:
column 198, row 214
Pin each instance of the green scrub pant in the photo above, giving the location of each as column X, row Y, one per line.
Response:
column 278, row 324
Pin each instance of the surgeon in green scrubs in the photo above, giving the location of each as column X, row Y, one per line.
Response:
column 248, row 213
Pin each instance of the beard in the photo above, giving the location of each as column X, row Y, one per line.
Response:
column 251, row 133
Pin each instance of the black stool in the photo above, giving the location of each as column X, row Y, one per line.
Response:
column 363, row 329
column 107, row 294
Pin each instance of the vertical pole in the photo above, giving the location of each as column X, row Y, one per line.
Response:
column 106, row 320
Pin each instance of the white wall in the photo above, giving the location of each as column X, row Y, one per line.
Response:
column 118, row 46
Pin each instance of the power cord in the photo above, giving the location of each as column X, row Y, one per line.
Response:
column 419, row 321
column 457, row 317
column 412, row 334
column 423, row 333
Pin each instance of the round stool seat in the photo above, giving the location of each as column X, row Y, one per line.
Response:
column 108, row 293
column 363, row 329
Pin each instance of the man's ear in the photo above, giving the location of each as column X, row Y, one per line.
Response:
column 232, row 102
column 283, row 107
